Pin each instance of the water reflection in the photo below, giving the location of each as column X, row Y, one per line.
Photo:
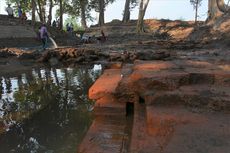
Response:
column 45, row 110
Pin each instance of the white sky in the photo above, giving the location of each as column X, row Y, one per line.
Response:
column 167, row 9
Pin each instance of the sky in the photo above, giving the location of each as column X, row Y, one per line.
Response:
column 157, row 9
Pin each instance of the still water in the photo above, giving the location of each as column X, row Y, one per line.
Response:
column 46, row 110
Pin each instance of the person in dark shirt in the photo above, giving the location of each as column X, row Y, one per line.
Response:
column 102, row 38
column 23, row 18
column 54, row 24
column 19, row 11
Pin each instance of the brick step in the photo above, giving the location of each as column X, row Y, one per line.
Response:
column 17, row 32
column 201, row 96
column 176, row 129
column 106, row 134
column 141, row 141
column 161, row 75
column 109, row 105
column 106, row 84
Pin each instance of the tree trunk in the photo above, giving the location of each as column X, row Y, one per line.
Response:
column 33, row 11
column 83, row 18
column 50, row 13
column 61, row 15
column 1, row 88
column 44, row 12
column 126, row 16
column 213, row 10
column 142, row 10
column 222, row 6
column 196, row 11
column 101, row 12
column 40, row 12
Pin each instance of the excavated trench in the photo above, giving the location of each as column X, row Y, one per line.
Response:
column 147, row 106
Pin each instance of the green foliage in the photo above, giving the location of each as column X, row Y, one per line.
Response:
column 74, row 21
column 73, row 9
column 66, row 5
column 94, row 4
column 25, row 4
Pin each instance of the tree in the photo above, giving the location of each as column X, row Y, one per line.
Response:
column 79, row 8
column 83, row 5
column 61, row 14
column 33, row 5
column 41, row 10
column 99, row 6
column 142, row 10
column 128, row 3
column 213, row 10
column 50, row 12
column 126, row 16
column 101, row 12
column 196, row 4
column 223, row 7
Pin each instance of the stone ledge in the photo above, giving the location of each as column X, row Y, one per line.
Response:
column 106, row 84
column 106, row 135
column 109, row 105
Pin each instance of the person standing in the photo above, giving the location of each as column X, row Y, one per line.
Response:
column 67, row 27
column 49, row 20
column 54, row 24
column 71, row 27
column 19, row 12
column 10, row 11
column 44, row 36
column 102, row 38
column 23, row 18
column 58, row 22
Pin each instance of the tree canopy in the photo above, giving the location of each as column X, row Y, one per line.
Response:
column 42, row 10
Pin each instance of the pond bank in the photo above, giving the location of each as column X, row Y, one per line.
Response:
column 143, row 94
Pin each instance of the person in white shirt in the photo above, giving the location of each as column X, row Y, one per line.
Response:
column 10, row 11
column 85, row 38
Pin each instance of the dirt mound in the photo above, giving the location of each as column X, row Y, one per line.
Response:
column 211, row 34
column 157, row 28
column 7, row 52
column 215, row 32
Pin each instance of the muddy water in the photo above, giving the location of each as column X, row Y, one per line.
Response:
column 46, row 110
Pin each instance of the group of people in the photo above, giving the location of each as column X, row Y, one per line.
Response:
column 21, row 14
column 88, row 39
column 43, row 33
